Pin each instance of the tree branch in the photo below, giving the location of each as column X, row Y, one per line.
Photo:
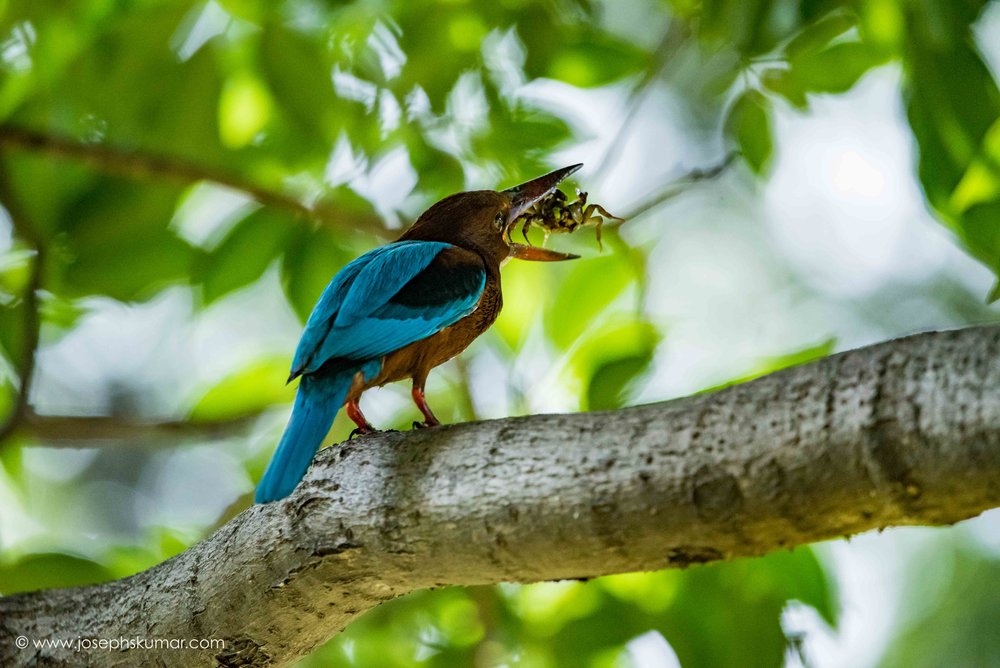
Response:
column 677, row 187
column 904, row 432
column 71, row 430
column 138, row 165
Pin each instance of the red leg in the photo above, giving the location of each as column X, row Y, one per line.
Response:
column 358, row 418
column 418, row 398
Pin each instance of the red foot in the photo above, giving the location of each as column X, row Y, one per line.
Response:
column 358, row 418
column 418, row 398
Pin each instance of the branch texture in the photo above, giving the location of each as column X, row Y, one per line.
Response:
column 904, row 432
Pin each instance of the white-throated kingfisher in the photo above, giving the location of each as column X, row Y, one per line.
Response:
column 400, row 310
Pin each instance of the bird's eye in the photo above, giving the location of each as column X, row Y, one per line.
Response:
column 498, row 221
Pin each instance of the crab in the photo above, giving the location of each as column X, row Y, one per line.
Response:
column 553, row 213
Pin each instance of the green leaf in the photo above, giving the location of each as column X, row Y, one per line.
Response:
column 297, row 67
column 245, row 253
column 994, row 294
column 423, row 36
column 777, row 363
column 249, row 10
column 784, row 82
column 118, row 243
column 49, row 570
column 310, row 261
column 611, row 357
column 980, row 231
column 246, row 392
column 15, row 271
column 59, row 313
column 610, row 381
column 801, row 356
column 11, row 453
column 523, row 285
column 45, row 189
column 726, row 612
column 804, row 579
column 953, row 105
column 748, row 123
column 440, row 172
column 12, row 324
column 952, row 101
column 597, row 61
column 525, row 133
column 750, row 27
column 836, row 69
column 949, row 607
column 108, row 87
column 821, row 32
column 981, row 183
column 584, row 291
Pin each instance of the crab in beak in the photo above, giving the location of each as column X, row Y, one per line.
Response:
column 521, row 198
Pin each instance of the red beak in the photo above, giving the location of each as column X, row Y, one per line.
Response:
column 526, row 252
column 523, row 196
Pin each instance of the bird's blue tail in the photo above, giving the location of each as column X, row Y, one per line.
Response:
column 317, row 401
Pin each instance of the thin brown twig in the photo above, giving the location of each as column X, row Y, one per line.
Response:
column 145, row 166
column 71, row 430
column 32, row 316
column 679, row 186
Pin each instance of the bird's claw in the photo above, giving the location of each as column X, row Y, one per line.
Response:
column 358, row 431
column 362, row 431
column 424, row 425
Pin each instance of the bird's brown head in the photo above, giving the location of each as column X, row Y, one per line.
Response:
column 480, row 220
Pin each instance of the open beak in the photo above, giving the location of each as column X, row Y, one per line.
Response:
column 523, row 196
column 529, row 192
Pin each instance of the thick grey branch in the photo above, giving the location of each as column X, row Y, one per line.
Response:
column 905, row 432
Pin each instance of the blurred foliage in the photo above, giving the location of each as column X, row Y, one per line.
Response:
column 295, row 105
column 957, row 601
column 43, row 570
column 588, row 624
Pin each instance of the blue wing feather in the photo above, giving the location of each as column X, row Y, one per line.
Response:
column 321, row 319
column 355, row 318
column 383, row 277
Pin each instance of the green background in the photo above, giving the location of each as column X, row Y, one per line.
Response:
column 181, row 179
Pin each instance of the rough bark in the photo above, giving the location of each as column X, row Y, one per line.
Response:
column 904, row 432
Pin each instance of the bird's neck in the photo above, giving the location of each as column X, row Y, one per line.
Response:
column 489, row 258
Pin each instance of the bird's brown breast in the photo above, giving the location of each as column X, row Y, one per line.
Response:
column 417, row 359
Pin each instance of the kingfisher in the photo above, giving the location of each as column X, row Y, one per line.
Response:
column 400, row 310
